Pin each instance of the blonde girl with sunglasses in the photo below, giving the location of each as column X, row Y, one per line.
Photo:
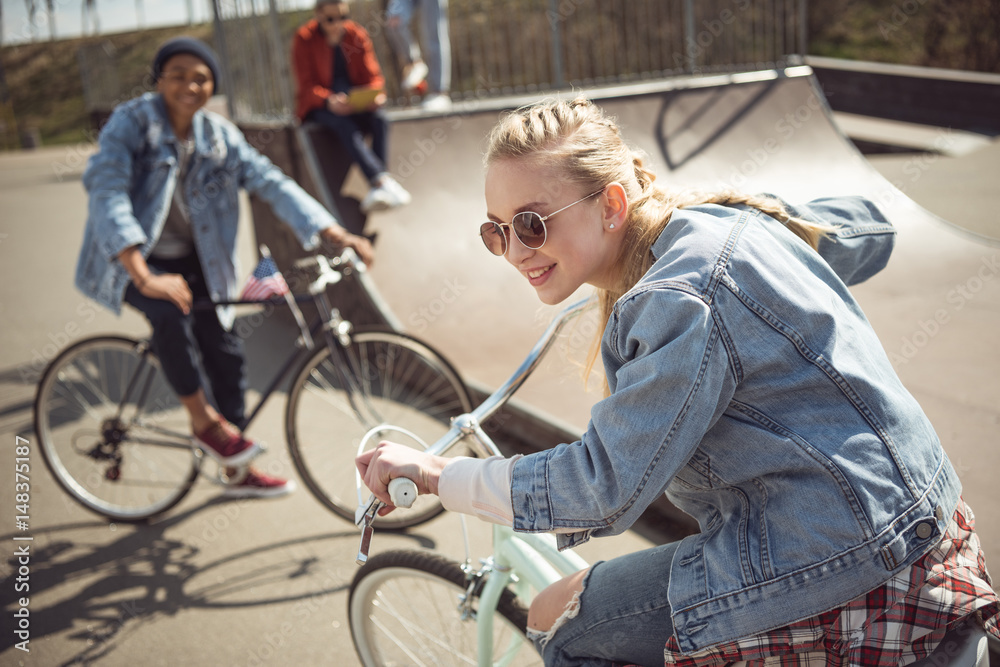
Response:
column 745, row 383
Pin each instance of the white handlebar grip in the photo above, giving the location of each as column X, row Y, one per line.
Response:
column 402, row 491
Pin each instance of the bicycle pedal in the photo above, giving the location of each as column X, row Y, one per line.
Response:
column 236, row 478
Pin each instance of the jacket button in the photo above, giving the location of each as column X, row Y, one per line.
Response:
column 924, row 530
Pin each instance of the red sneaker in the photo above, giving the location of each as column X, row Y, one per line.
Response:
column 258, row 485
column 226, row 444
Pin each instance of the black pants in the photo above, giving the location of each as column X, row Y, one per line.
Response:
column 351, row 130
column 179, row 341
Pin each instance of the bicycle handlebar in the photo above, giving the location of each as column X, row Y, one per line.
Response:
column 402, row 491
column 331, row 268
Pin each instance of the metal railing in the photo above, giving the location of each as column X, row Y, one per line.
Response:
column 502, row 47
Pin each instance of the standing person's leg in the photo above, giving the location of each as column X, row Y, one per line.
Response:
column 399, row 14
column 437, row 44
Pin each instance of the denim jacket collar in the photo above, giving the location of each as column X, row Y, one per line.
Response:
column 205, row 141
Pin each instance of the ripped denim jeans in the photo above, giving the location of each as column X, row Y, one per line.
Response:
column 622, row 614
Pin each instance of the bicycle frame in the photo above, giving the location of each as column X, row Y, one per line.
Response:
column 532, row 558
column 327, row 325
column 328, row 321
column 469, row 425
column 536, row 562
column 514, row 553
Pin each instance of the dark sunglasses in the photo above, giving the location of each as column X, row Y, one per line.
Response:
column 333, row 19
column 528, row 226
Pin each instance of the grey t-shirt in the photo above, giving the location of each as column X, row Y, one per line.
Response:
column 176, row 240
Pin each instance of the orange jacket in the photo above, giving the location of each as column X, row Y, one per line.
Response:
column 312, row 63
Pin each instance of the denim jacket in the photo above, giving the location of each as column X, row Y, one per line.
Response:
column 131, row 180
column 749, row 387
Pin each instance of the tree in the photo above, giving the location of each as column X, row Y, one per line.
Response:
column 31, row 7
column 87, row 10
column 51, row 11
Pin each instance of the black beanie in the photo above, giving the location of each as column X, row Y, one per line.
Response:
column 195, row 47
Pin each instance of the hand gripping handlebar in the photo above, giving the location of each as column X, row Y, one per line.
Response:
column 402, row 492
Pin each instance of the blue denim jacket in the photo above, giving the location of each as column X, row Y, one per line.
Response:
column 749, row 387
column 131, row 180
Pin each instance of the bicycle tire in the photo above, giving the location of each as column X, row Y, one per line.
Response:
column 126, row 469
column 403, row 608
column 403, row 382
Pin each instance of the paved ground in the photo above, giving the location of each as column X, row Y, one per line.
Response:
column 264, row 582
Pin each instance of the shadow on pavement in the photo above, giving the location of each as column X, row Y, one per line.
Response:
column 142, row 575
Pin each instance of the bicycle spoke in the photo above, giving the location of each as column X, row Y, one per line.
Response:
column 366, row 371
column 395, row 640
column 404, row 608
column 326, row 392
column 415, row 630
column 70, row 391
column 123, row 468
column 381, row 378
column 433, row 387
column 103, row 374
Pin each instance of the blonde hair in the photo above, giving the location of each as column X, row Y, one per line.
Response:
column 585, row 145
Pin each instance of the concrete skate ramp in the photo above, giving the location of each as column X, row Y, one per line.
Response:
column 760, row 132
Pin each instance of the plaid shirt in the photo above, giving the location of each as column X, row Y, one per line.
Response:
column 897, row 623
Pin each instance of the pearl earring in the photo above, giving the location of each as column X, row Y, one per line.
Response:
column 611, row 226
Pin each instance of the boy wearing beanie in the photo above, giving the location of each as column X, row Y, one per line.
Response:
column 161, row 233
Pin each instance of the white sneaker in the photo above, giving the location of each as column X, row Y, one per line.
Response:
column 399, row 195
column 418, row 72
column 387, row 194
column 436, row 102
column 377, row 199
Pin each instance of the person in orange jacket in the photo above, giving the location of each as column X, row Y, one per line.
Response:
column 331, row 57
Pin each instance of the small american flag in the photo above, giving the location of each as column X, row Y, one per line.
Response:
column 265, row 281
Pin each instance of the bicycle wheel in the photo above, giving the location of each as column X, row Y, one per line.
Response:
column 404, row 609
column 112, row 431
column 381, row 379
